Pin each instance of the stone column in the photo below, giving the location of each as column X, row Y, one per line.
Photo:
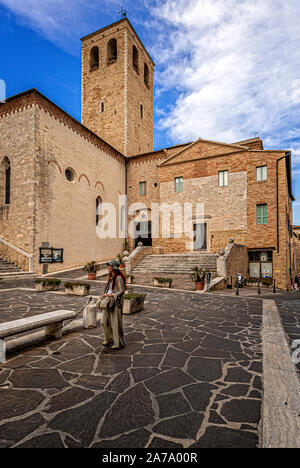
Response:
column 54, row 330
column 90, row 316
column 221, row 264
column 126, row 262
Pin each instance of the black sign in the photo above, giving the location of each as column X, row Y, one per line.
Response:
column 50, row 255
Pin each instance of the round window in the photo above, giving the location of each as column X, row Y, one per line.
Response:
column 70, row 174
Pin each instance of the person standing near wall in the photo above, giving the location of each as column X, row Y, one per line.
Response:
column 112, row 299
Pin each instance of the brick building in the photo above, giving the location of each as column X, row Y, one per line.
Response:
column 55, row 171
column 296, row 250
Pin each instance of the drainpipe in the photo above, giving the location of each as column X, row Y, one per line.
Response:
column 126, row 175
column 126, row 193
column 277, row 195
column 277, row 205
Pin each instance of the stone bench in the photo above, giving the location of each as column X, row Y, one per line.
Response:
column 52, row 321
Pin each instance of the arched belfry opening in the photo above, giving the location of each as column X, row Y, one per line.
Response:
column 112, row 50
column 146, row 75
column 112, row 94
column 94, row 58
column 5, row 181
column 135, row 59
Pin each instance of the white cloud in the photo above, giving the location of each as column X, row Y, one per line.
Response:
column 232, row 67
column 236, row 66
column 296, row 92
column 59, row 20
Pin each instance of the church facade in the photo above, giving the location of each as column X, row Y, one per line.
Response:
column 55, row 172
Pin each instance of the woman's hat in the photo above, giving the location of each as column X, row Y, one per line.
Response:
column 114, row 264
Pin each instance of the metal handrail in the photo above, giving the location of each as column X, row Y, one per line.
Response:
column 20, row 251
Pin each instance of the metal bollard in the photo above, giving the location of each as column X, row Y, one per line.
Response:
column 208, row 281
column 274, row 287
column 258, row 288
column 237, row 292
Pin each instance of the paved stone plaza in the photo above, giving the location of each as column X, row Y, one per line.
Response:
column 289, row 307
column 190, row 375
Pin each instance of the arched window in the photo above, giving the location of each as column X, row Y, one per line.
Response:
column 135, row 59
column 5, row 175
column 98, row 209
column 146, row 76
column 94, row 58
column 122, row 218
column 142, row 111
column 112, row 50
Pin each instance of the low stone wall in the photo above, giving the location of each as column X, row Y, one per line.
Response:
column 135, row 257
column 6, row 253
column 238, row 261
column 233, row 261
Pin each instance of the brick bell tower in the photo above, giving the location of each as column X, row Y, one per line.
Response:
column 118, row 88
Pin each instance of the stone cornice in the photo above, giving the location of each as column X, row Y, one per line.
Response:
column 33, row 97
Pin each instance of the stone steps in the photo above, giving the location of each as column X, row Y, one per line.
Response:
column 177, row 264
column 22, row 274
column 10, row 270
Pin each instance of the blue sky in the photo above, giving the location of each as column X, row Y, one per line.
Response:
column 225, row 69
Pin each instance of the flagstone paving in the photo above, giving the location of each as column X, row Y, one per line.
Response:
column 289, row 309
column 189, row 376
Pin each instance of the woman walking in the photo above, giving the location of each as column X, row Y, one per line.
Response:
column 112, row 315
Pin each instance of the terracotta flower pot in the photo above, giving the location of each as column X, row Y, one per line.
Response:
column 199, row 286
column 92, row 276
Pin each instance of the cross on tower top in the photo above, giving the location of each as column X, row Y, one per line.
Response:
column 122, row 12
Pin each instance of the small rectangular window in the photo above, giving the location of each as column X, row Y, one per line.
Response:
column 261, row 214
column 261, row 173
column 223, row 178
column 143, row 188
column 179, row 184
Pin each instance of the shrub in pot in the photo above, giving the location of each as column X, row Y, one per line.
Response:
column 133, row 303
column 162, row 282
column 121, row 260
column 77, row 289
column 267, row 282
column 47, row 284
column 198, row 276
column 252, row 282
column 91, row 269
column 126, row 246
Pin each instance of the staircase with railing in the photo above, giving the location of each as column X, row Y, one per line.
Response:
column 10, row 259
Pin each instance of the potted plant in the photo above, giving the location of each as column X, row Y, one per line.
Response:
column 267, row 282
column 121, row 260
column 252, row 282
column 77, row 289
column 198, row 276
column 133, row 303
column 162, row 282
column 91, row 269
column 47, row 284
column 130, row 279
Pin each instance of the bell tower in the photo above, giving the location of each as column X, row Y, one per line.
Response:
column 118, row 88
